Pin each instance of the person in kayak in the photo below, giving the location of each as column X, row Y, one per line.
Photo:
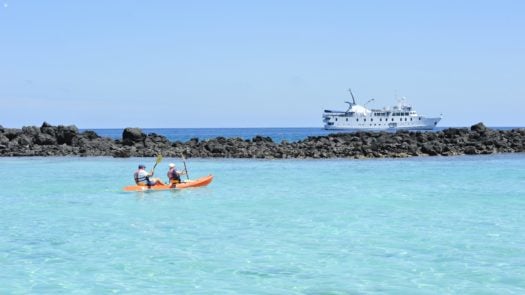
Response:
column 143, row 177
column 174, row 175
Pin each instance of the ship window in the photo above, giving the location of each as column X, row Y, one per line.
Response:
column 400, row 119
column 405, row 119
column 346, row 119
column 357, row 120
column 336, row 119
column 410, row 119
column 380, row 119
column 392, row 119
column 364, row 120
column 371, row 120
column 419, row 118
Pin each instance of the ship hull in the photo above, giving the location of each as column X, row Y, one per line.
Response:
column 351, row 125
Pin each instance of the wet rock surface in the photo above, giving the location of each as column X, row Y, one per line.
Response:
column 62, row 140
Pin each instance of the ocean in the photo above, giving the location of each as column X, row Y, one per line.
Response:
column 428, row 225
column 277, row 134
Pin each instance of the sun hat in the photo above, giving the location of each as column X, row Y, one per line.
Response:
column 172, row 165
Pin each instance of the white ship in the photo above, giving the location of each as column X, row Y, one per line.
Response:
column 359, row 117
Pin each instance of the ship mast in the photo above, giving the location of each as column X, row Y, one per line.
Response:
column 353, row 99
column 350, row 104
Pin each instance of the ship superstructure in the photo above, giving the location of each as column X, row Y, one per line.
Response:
column 359, row 117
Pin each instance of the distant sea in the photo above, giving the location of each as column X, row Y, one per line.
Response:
column 277, row 134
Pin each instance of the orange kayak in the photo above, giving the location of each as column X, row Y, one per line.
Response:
column 203, row 181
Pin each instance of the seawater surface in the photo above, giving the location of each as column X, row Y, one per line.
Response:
column 405, row 226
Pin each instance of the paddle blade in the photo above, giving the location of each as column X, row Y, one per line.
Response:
column 159, row 159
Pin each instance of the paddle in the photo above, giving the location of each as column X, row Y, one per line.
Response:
column 185, row 169
column 159, row 159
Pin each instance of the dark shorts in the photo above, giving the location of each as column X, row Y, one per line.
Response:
column 146, row 183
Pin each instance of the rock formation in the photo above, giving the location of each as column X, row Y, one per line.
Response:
column 61, row 140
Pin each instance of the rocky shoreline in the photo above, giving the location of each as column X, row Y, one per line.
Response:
column 49, row 140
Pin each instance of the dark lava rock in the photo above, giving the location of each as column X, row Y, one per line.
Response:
column 90, row 134
column 259, row 138
column 49, row 140
column 45, row 139
column 12, row 133
column 131, row 136
column 480, row 127
column 65, row 134
column 124, row 152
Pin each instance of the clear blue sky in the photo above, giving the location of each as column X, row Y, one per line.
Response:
column 266, row 63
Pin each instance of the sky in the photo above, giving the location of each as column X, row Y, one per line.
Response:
column 220, row 64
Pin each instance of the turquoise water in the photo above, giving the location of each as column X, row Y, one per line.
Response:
column 408, row 226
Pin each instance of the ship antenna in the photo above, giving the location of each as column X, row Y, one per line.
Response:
column 369, row 102
column 353, row 99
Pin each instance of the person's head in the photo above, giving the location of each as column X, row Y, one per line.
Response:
column 172, row 165
column 141, row 166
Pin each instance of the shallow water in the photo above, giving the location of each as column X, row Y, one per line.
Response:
column 420, row 225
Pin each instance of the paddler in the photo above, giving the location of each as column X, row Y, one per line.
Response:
column 174, row 175
column 143, row 177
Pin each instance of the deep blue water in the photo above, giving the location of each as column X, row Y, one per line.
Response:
column 277, row 134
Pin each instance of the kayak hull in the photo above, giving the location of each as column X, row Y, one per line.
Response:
column 203, row 181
